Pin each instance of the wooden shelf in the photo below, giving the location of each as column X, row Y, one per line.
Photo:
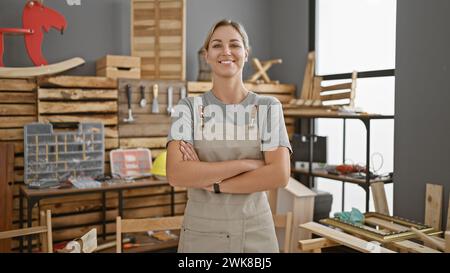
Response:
column 312, row 112
column 341, row 177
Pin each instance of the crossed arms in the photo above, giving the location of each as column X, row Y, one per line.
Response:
column 184, row 169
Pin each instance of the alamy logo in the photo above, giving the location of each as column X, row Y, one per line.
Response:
column 73, row 2
column 235, row 122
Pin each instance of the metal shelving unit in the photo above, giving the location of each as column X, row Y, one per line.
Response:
column 311, row 115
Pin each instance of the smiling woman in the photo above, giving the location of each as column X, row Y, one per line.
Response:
column 228, row 163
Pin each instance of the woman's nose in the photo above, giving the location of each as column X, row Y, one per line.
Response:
column 226, row 50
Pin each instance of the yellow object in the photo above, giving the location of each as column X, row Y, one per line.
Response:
column 159, row 165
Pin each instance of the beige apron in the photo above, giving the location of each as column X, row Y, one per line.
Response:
column 227, row 222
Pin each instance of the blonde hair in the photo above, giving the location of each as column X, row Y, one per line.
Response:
column 226, row 22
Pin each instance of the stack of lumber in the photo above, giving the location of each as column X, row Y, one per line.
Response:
column 158, row 36
column 17, row 108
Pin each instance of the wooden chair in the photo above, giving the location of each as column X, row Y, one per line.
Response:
column 281, row 220
column 333, row 94
column 143, row 225
column 44, row 231
column 314, row 94
column 284, row 221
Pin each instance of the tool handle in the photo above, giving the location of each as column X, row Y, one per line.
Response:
column 128, row 87
column 169, row 96
column 155, row 91
column 142, row 92
column 183, row 92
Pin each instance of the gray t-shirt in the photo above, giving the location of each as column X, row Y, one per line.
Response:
column 268, row 117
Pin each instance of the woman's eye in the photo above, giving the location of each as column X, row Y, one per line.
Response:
column 216, row 46
column 235, row 45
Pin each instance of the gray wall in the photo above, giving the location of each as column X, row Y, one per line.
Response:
column 276, row 28
column 289, row 39
column 422, row 123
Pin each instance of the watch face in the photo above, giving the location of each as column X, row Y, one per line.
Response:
column 216, row 188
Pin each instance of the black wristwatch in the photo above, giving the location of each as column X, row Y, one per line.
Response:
column 216, row 188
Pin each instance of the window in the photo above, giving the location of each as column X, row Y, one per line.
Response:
column 358, row 35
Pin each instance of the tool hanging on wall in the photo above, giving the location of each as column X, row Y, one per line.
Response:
column 155, row 105
column 130, row 112
column 183, row 92
column 143, row 101
column 169, row 100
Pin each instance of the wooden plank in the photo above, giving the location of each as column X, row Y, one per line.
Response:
column 131, row 130
column 339, row 96
column 312, row 244
column 23, row 232
column 77, row 107
column 413, row 247
column 385, row 224
column 16, row 122
column 6, row 186
column 257, row 88
column 155, row 142
column 77, row 94
column 343, row 238
column 431, row 241
column 83, row 219
column 115, row 73
column 43, row 70
column 11, row 134
column 156, row 27
column 340, row 86
column 308, row 77
column 152, row 211
column 110, row 119
column 447, row 242
column 379, row 198
column 17, row 110
column 118, row 61
column 146, row 118
column 18, row 97
column 111, row 143
column 78, row 82
column 18, row 84
column 433, row 206
column 448, row 216
column 160, row 223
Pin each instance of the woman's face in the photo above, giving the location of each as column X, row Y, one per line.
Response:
column 226, row 53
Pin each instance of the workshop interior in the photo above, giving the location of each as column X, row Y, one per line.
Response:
column 87, row 90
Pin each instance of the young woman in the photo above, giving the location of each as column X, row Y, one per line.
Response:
column 228, row 147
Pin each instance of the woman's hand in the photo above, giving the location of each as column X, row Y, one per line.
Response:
column 188, row 151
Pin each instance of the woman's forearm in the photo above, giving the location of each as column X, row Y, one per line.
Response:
column 262, row 179
column 198, row 174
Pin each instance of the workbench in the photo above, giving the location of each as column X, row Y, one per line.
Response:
column 33, row 196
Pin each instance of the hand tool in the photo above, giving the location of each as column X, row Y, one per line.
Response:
column 130, row 113
column 143, row 101
column 155, row 105
column 169, row 100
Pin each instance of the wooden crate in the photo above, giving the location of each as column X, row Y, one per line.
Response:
column 283, row 92
column 158, row 31
column 113, row 66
